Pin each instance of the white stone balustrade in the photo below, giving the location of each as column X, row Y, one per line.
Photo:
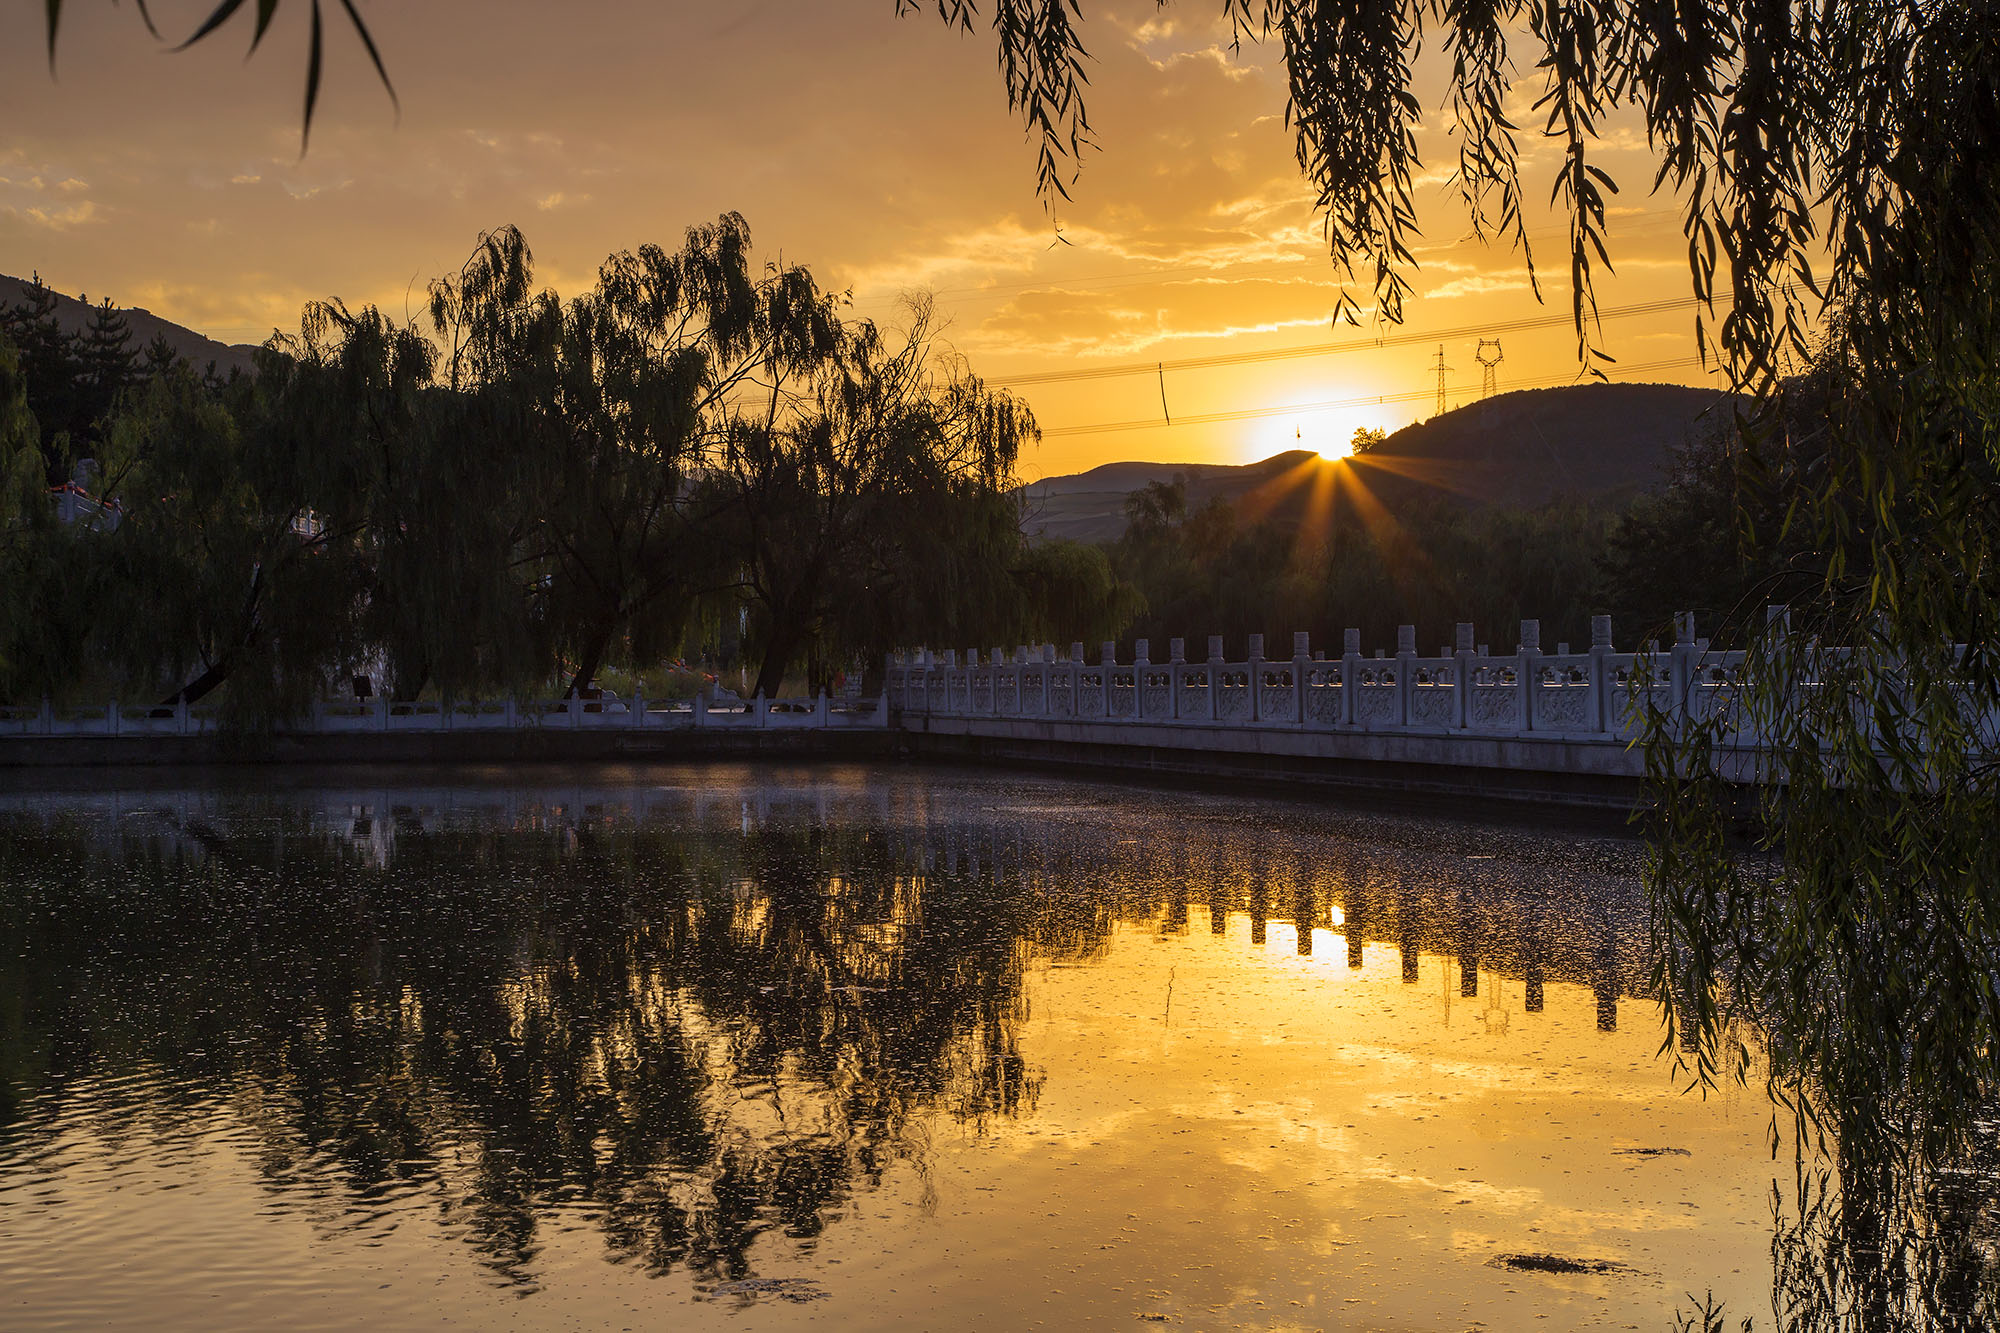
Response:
column 1597, row 693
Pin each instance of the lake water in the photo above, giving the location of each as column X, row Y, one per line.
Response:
column 844, row 1047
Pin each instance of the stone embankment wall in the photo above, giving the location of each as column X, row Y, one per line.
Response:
column 425, row 732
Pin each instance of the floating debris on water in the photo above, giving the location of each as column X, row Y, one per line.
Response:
column 1554, row 1263
column 798, row 1290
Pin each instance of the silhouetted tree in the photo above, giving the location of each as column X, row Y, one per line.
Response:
column 869, row 491
column 615, row 401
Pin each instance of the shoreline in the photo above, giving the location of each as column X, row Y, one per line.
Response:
column 86, row 763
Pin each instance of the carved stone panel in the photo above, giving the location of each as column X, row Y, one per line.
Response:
column 1495, row 706
column 1323, row 705
column 1562, row 707
column 1376, row 704
column 1124, row 692
column 1433, row 706
column 1232, row 702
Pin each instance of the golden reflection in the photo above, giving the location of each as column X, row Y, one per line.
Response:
column 743, row 1031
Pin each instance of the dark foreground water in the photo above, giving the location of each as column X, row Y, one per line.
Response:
column 848, row 1047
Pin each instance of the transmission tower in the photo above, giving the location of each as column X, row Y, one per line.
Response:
column 1489, row 364
column 1441, row 369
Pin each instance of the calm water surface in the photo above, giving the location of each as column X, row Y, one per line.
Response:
column 843, row 1047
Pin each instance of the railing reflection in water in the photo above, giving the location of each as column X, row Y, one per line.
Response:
column 708, row 1014
column 623, row 994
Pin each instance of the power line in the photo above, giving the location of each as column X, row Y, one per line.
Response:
column 1334, row 349
column 1252, row 413
column 1627, row 224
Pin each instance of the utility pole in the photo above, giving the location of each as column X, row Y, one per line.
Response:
column 1441, row 368
column 1489, row 364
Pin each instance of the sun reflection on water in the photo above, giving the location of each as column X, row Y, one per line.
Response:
column 924, row 1049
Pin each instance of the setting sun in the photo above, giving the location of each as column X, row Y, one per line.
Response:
column 1327, row 433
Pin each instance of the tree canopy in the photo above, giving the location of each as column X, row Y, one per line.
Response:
column 695, row 459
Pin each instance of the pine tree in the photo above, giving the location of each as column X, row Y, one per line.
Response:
column 49, row 365
column 106, row 351
column 104, row 368
column 158, row 358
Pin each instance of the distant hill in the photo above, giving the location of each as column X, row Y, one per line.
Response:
column 1090, row 506
column 73, row 315
column 1592, row 441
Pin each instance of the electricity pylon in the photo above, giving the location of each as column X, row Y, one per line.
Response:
column 1489, row 382
column 1441, row 368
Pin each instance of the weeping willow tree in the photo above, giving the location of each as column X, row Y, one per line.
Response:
column 871, row 495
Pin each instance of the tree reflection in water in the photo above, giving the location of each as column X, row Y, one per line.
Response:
column 703, row 1039
column 696, row 1022
column 1883, row 1238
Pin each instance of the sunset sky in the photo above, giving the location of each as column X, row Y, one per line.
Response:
column 879, row 151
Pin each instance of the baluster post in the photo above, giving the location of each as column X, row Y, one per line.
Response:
column 1406, row 671
column 1214, row 677
column 1301, row 663
column 1254, row 659
column 1686, row 659
column 1107, row 659
column 1529, row 657
column 1350, row 676
column 1176, row 659
column 1465, row 655
column 1607, row 705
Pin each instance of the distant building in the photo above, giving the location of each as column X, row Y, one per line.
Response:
column 75, row 503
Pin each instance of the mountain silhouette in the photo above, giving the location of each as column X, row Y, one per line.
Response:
column 198, row 349
column 1595, row 442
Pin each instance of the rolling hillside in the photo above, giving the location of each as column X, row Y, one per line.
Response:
column 1593, row 441
column 200, row 351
